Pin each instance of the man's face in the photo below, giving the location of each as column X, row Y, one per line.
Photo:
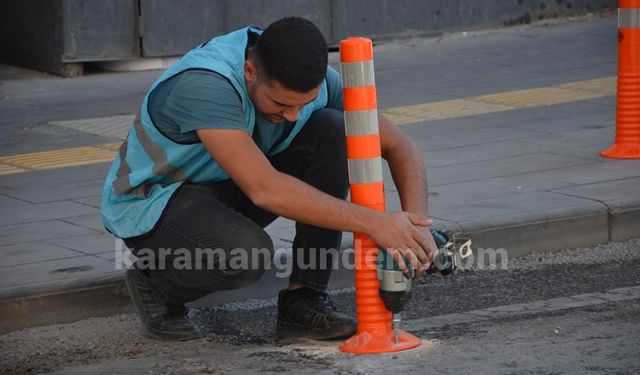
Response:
column 273, row 101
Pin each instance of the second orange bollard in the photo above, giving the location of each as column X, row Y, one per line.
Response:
column 627, row 144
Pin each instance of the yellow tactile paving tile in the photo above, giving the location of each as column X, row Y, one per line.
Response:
column 59, row 158
column 10, row 169
column 537, row 97
column 411, row 114
column 467, row 108
column 445, row 109
column 400, row 119
column 504, row 101
column 110, row 146
column 605, row 86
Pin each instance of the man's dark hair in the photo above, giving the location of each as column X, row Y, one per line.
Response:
column 293, row 52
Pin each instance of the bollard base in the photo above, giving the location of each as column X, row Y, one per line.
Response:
column 367, row 343
column 622, row 152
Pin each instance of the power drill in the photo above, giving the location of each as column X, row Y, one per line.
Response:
column 395, row 285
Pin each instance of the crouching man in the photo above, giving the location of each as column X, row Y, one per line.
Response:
column 241, row 130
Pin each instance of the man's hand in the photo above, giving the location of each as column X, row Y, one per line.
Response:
column 433, row 248
column 406, row 237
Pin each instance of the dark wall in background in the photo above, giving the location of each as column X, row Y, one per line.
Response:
column 186, row 24
column 397, row 18
column 31, row 34
column 47, row 34
column 99, row 29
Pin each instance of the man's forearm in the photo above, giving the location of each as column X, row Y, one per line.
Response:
column 409, row 175
column 306, row 204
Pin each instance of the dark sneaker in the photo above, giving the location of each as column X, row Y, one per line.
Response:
column 160, row 320
column 308, row 313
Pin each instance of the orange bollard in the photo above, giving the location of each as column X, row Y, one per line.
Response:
column 375, row 334
column 627, row 145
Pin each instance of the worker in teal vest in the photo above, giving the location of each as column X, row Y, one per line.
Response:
column 243, row 129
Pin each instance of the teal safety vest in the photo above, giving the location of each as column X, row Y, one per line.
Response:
column 150, row 167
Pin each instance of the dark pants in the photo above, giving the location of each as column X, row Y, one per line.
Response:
column 220, row 216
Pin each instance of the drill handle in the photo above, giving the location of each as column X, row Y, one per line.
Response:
column 386, row 262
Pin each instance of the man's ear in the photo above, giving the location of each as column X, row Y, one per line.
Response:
column 250, row 71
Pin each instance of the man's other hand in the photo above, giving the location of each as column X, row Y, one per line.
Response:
column 406, row 237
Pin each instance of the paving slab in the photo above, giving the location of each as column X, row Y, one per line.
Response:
column 481, row 170
column 540, row 120
column 469, row 137
column 60, row 192
column 521, row 208
column 561, row 118
column 42, row 230
column 609, row 102
column 11, row 202
column 47, row 272
column 590, row 152
column 91, row 221
column 52, row 177
column 491, row 188
column 575, row 138
column 94, row 243
column 101, row 168
column 93, row 201
column 31, row 101
column 116, row 127
column 43, row 211
column 602, row 171
column 480, row 152
column 528, row 222
column 616, row 194
column 35, row 252
column 40, row 137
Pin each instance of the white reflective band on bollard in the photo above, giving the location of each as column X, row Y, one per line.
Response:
column 361, row 122
column 629, row 18
column 365, row 171
column 357, row 74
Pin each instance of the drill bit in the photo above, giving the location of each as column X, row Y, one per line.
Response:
column 396, row 327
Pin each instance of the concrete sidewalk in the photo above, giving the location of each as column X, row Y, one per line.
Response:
column 519, row 170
